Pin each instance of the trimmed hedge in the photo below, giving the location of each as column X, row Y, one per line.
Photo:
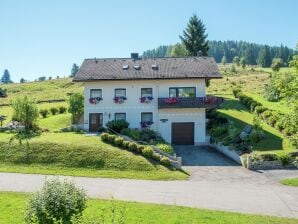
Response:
column 146, row 151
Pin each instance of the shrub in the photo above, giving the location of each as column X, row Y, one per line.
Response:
column 260, row 109
column 76, row 106
column 54, row 110
column 56, row 202
column 117, row 125
column 156, row 157
column 218, row 131
column 284, row 158
column 267, row 114
column 165, row 161
column 140, row 148
column 268, row 157
column 62, row 109
column 125, row 144
column 254, row 104
column 236, row 92
column 273, row 119
column 132, row 133
column 119, row 141
column 111, row 139
column 44, row 112
column 25, row 111
column 165, row 148
column 255, row 136
column 147, row 152
column 133, row 147
column 104, row 137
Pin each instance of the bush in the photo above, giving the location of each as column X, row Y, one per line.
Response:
column 236, row 92
column 267, row 114
column 133, row 147
column 104, row 137
column 156, row 157
column 76, row 106
column 268, row 157
column 44, row 112
column 125, row 144
column 56, row 202
column 255, row 136
column 273, row 119
column 132, row 133
column 54, row 110
column 140, row 148
column 284, row 158
column 218, row 131
column 166, row 148
column 111, row 139
column 119, row 141
column 147, row 152
column 117, row 125
column 62, row 109
column 165, row 161
column 260, row 109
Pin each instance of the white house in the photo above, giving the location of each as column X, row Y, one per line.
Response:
column 165, row 94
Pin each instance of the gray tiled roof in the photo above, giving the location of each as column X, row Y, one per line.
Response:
column 167, row 68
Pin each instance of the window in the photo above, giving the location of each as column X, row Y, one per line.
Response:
column 94, row 93
column 148, row 116
column 120, row 92
column 120, row 116
column 182, row 92
column 146, row 92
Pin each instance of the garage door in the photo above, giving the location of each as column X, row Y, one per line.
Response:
column 183, row 133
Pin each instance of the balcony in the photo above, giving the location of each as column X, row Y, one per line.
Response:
column 208, row 102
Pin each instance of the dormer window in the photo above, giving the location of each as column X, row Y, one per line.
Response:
column 137, row 67
column 154, row 67
column 125, row 67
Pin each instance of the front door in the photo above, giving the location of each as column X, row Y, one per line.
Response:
column 95, row 122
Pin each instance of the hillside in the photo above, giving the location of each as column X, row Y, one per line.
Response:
column 46, row 90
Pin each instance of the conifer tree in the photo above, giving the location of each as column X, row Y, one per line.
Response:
column 6, row 77
column 194, row 37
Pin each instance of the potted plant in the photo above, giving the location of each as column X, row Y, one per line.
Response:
column 146, row 99
column 119, row 99
column 95, row 100
column 146, row 124
column 171, row 100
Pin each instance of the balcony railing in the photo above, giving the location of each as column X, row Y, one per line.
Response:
column 208, row 102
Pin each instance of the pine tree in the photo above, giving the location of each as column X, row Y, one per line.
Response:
column 22, row 80
column 264, row 57
column 74, row 70
column 6, row 77
column 194, row 37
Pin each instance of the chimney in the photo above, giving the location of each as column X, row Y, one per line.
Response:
column 134, row 56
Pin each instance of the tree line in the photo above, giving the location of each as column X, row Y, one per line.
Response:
column 254, row 54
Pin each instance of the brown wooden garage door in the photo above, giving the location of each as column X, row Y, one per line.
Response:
column 183, row 133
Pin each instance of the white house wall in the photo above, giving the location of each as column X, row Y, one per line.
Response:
column 133, row 108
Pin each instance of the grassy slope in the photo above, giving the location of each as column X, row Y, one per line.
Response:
column 251, row 83
column 140, row 212
column 50, row 89
column 79, row 155
column 290, row 182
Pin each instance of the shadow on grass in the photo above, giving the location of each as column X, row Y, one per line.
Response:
column 272, row 142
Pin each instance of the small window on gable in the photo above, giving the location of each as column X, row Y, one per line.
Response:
column 137, row 67
column 94, row 93
column 125, row 67
column 147, row 116
column 120, row 116
column 146, row 92
column 120, row 92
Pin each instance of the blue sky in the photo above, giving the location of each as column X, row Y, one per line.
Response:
column 44, row 38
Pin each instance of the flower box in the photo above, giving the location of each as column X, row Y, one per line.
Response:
column 146, row 99
column 171, row 100
column 146, row 124
column 95, row 100
column 119, row 99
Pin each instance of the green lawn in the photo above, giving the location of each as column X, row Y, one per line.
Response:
column 79, row 155
column 290, row 182
column 46, row 90
column 12, row 207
